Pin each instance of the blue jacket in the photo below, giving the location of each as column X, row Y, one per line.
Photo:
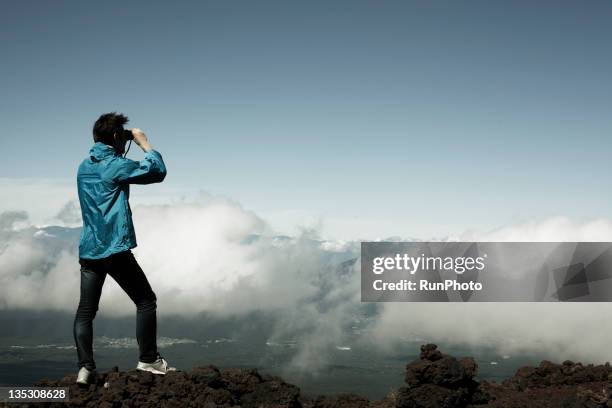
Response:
column 103, row 182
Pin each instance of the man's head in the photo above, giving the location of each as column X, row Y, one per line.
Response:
column 109, row 130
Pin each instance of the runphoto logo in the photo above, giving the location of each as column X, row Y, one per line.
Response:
column 413, row 264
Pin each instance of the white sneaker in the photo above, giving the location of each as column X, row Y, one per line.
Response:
column 85, row 376
column 160, row 366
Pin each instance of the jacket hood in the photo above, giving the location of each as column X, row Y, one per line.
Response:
column 100, row 151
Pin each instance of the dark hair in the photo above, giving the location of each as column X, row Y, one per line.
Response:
column 107, row 125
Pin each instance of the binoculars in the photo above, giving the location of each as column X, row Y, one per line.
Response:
column 128, row 135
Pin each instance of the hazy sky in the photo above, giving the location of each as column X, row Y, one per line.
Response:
column 397, row 118
column 382, row 118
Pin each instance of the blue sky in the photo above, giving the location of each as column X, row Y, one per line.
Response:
column 400, row 118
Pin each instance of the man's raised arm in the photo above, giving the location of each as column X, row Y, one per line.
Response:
column 149, row 170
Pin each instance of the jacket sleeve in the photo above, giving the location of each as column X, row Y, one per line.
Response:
column 149, row 170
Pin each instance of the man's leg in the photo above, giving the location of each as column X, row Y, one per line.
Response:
column 128, row 274
column 92, row 280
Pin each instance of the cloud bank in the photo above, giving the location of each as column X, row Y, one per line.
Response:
column 212, row 256
column 560, row 330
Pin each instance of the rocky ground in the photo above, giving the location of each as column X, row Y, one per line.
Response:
column 440, row 380
column 435, row 380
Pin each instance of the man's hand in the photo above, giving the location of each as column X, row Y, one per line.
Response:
column 141, row 139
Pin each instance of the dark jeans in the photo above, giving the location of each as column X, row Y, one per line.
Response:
column 124, row 269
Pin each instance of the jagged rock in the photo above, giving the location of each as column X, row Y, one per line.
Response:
column 437, row 368
column 440, row 380
column 432, row 396
column 585, row 398
column 482, row 395
column 549, row 374
column 240, row 381
column 430, row 352
column 273, row 393
column 341, row 401
column 208, row 376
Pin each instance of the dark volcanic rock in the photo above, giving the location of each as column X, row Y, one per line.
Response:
column 240, row 382
column 435, row 380
column 440, row 380
column 272, row 392
column 201, row 387
column 433, row 367
column 549, row 374
column 208, row 376
column 341, row 401
column 432, row 396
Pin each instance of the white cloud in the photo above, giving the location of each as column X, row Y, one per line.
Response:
column 210, row 256
column 201, row 256
column 562, row 330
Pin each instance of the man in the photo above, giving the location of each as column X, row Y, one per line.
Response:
column 103, row 182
